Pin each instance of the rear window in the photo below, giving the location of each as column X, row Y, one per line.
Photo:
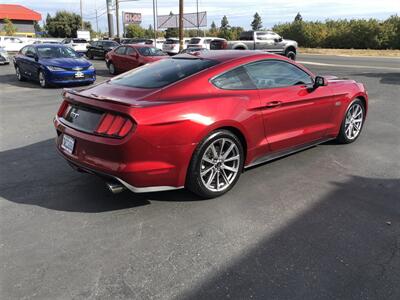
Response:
column 110, row 44
column 169, row 41
column 163, row 73
column 79, row 41
column 195, row 41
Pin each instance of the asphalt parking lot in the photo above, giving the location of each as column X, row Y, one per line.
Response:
column 320, row 224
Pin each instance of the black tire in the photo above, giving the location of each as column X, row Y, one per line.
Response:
column 18, row 73
column 111, row 68
column 342, row 138
column 194, row 181
column 42, row 80
column 89, row 55
column 290, row 54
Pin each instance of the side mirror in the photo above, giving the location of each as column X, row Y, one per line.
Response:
column 319, row 81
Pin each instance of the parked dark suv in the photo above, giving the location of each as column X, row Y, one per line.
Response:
column 100, row 48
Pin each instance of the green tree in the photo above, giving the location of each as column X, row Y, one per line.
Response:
column 257, row 22
column 298, row 17
column 135, row 31
column 224, row 23
column 171, row 32
column 213, row 29
column 37, row 26
column 9, row 27
column 65, row 24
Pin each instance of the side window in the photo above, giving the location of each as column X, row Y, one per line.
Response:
column 236, row 79
column 95, row 44
column 274, row 73
column 130, row 51
column 23, row 50
column 30, row 52
column 120, row 50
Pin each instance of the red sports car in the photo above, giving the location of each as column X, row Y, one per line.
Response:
column 128, row 57
column 197, row 121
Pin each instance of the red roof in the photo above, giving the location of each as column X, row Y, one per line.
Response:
column 18, row 12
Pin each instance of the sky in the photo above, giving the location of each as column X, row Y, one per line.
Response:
column 239, row 13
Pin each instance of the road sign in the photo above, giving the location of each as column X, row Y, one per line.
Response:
column 192, row 20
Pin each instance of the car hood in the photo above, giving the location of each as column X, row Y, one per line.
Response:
column 66, row 62
column 289, row 41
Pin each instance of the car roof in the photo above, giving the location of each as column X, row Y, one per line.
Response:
column 138, row 45
column 48, row 45
column 226, row 55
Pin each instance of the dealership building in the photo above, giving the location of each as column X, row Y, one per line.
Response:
column 22, row 17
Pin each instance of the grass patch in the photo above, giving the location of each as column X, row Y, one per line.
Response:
column 351, row 52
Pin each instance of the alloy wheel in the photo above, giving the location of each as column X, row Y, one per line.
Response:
column 42, row 79
column 111, row 68
column 353, row 122
column 18, row 73
column 220, row 165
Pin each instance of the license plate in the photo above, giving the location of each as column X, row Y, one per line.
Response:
column 79, row 75
column 68, row 143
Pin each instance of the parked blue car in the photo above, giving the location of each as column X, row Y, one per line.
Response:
column 53, row 64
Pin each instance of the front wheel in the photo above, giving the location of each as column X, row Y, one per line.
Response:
column 216, row 164
column 112, row 69
column 89, row 54
column 290, row 54
column 42, row 80
column 352, row 123
column 18, row 73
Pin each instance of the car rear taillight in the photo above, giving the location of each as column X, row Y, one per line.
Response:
column 114, row 125
column 62, row 109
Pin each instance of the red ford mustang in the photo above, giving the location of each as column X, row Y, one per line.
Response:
column 128, row 57
column 197, row 121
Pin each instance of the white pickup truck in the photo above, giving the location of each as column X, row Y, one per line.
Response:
column 264, row 40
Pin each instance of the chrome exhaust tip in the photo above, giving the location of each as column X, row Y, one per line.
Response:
column 115, row 188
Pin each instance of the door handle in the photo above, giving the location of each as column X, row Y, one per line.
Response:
column 273, row 104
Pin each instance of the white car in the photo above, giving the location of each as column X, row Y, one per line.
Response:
column 171, row 45
column 79, row 45
column 201, row 42
column 12, row 44
column 4, row 57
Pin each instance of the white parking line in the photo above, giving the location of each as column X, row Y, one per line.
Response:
column 347, row 66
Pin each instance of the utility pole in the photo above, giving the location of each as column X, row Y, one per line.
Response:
column 180, row 25
column 81, row 16
column 117, row 15
column 110, row 19
column 97, row 23
column 198, row 25
column 155, row 23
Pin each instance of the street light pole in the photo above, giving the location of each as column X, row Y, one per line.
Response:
column 180, row 25
column 155, row 23
column 117, row 15
column 81, row 15
column 110, row 19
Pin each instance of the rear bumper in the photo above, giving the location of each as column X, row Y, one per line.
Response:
column 135, row 163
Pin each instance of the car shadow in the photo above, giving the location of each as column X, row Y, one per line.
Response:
column 344, row 246
column 384, row 78
column 37, row 175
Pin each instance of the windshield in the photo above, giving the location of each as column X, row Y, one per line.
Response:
column 163, row 72
column 171, row 41
column 195, row 41
column 110, row 44
column 79, row 41
column 56, row 52
column 150, row 51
